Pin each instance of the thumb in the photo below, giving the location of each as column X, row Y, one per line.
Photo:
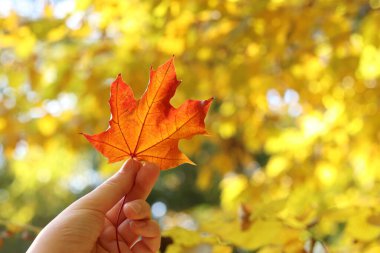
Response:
column 105, row 196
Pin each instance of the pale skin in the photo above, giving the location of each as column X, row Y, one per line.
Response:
column 88, row 225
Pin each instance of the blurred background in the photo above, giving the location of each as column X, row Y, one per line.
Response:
column 292, row 163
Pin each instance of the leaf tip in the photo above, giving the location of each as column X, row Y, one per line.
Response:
column 206, row 103
column 206, row 133
column 191, row 162
column 87, row 136
column 171, row 60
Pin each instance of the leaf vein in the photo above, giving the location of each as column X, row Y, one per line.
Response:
column 117, row 112
column 149, row 107
column 95, row 140
column 168, row 137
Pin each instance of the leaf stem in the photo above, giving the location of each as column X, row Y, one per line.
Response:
column 118, row 221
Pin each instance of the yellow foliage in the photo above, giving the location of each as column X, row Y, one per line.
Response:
column 232, row 188
column 359, row 228
column 277, row 165
column 368, row 67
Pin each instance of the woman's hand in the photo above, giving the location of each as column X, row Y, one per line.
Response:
column 88, row 225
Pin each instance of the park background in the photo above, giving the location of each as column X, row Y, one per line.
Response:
column 292, row 163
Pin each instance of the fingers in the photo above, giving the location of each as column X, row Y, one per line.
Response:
column 140, row 247
column 148, row 245
column 135, row 210
column 107, row 240
column 145, row 179
column 138, row 225
column 104, row 197
column 148, row 230
column 145, row 228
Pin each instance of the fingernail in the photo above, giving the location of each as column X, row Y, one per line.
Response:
column 146, row 163
column 131, row 163
column 135, row 207
column 138, row 224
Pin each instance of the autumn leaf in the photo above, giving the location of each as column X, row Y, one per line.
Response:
column 149, row 129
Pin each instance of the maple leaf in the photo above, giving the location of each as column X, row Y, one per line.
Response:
column 149, row 129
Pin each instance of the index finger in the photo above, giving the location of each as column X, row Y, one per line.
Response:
column 145, row 179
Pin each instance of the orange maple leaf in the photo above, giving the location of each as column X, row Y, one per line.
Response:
column 149, row 129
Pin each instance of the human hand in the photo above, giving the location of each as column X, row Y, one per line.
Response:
column 88, row 225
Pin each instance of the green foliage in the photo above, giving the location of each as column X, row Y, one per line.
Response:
column 294, row 128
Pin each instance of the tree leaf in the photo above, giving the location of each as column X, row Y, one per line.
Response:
column 150, row 128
